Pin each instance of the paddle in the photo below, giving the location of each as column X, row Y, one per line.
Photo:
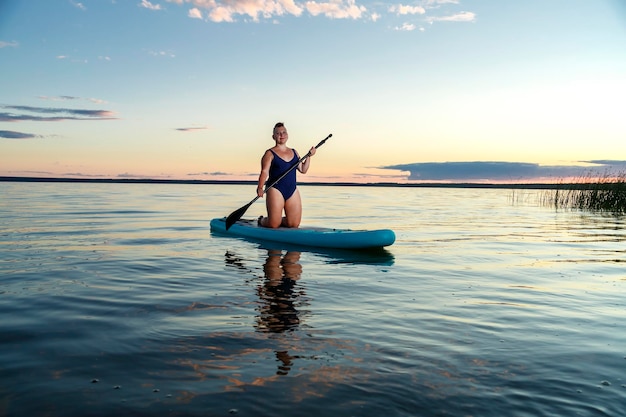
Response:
column 236, row 215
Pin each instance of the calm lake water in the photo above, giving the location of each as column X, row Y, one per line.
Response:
column 117, row 300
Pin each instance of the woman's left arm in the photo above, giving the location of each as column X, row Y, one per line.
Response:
column 304, row 166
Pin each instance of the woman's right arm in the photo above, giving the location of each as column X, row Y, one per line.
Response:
column 266, row 162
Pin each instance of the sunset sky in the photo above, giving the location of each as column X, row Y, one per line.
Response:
column 415, row 90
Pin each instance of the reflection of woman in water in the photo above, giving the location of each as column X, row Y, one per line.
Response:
column 279, row 297
column 277, row 312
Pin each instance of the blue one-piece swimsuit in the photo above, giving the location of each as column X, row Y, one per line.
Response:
column 287, row 185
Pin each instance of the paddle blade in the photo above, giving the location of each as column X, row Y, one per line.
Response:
column 236, row 215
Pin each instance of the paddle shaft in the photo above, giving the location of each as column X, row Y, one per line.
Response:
column 236, row 215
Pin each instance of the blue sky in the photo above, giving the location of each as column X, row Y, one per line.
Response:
column 190, row 89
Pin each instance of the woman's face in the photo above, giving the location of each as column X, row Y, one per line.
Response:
column 280, row 134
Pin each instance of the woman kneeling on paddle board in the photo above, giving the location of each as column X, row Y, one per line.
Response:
column 284, row 195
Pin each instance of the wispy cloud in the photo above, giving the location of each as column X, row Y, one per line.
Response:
column 428, row 11
column 406, row 27
column 230, row 10
column 215, row 173
column 195, row 13
column 64, row 98
column 501, row 171
column 82, row 175
column 227, row 11
column 15, row 114
column 437, row 3
column 150, row 6
column 336, row 9
column 78, row 5
column 401, row 9
column 191, row 129
column 10, row 134
column 57, row 114
column 12, row 44
column 58, row 98
column 129, row 175
column 165, row 54
column 608, row 163
column 70, row 59
column 458, row 17
column 256, row 10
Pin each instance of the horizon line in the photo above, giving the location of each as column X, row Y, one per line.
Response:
column 459, row 184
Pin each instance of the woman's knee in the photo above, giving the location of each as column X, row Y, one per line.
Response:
column 273, row 222
column 291, row 222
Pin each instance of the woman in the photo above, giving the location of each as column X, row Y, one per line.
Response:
column 284, row 195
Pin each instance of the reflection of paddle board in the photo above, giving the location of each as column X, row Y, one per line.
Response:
column 310, row 236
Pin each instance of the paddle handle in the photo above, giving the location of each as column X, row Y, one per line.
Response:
column 323, row 141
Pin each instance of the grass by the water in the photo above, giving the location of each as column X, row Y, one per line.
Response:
column 605, row 193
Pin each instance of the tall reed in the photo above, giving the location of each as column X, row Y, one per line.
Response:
column 602, row 193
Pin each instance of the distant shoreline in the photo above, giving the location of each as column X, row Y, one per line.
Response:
column 531, row 186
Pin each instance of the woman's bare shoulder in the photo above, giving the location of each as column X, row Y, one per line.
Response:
column 268, row 155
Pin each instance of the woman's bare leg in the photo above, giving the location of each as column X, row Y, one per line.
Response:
column 293, row 210
column 275, row 203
